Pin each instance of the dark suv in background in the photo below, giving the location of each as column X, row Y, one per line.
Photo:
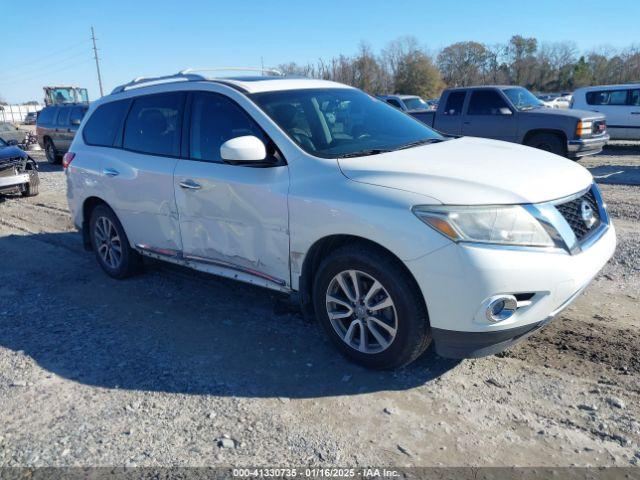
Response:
column 56, row 126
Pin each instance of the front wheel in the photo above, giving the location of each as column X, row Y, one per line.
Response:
column 32, row 188
column 111, row 245
column 370, row 307
column 547, row 142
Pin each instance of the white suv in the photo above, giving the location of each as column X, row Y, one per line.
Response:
column 392, row 235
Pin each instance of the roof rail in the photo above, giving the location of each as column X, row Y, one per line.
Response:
column 190, row 75
column 272, row 71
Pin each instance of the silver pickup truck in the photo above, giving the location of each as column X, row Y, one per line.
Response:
column 515, row 115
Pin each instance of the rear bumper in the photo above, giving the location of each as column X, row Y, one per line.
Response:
column 13, row 181
column 587, row 146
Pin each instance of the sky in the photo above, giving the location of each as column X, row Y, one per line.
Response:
column 48, row 42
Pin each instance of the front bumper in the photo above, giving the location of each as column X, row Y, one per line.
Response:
column 587, row 146
column 13, row 181
column 453, row 344
column 456, row 281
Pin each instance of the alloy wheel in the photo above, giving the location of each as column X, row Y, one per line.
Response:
column 108, row 242
column 361, row 311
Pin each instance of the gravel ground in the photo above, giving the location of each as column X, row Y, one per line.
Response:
column 176, row 368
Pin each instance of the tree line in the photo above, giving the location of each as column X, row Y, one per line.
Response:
column 405, row 67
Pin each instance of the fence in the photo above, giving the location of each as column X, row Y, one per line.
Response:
column 17, row 113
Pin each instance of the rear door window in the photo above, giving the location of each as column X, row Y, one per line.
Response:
column 454, row 104
column 154, row 124
column 607, row 97
column 104, row 123
column 63, row 117
column 214, row 120
column 77, row 113
column 487, row 102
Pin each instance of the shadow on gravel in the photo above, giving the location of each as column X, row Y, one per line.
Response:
column 171, row 330
column 617, row 174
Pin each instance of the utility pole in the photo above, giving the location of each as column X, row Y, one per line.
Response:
column 95, row 55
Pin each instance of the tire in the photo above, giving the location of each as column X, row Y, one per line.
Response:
column 33, row 187
column 107, row 236
column 407, row 314
column 547, row 142
column 52, row 154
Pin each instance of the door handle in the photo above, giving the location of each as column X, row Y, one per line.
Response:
column 635, row 113
column 466, row 123
column 110, row 172
column 190, row 185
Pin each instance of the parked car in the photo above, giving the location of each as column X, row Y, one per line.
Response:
column 11, row 133
column 515, row 115
column 18, row 171
column 56, row 126
column 406, row 102
column 620, row 104
column 558, row 102
column 30, row 118
column 391, row 234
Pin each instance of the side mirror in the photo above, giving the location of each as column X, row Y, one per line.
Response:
column 505, row 111
column 12, row 142
column 243, row 149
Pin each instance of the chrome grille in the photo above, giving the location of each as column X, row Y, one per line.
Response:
column 572, row 212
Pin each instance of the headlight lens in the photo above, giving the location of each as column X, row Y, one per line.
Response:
column 506, row 225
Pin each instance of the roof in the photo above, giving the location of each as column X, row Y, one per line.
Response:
column 484, row 86
column 248, row 84
column 272, row 84
column 619, row 85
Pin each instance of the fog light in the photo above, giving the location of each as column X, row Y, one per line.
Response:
column 500, row 308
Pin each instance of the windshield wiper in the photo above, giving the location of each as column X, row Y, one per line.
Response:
column 364, row 153
column 417, row 143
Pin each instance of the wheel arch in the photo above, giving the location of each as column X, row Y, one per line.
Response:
column 323, row 247
column 89, row 204
column 550, row 131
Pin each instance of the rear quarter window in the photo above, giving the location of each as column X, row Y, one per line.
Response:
column 607, row 97
column 104, row 123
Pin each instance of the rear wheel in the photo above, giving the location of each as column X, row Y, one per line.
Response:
column 370, row 307
column 51, row 152
column 548, row 142
column 111, row 245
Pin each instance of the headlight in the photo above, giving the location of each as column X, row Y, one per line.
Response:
column 506, row 225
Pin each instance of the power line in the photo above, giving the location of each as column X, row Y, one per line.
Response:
column 47, row 56
column 39, row 77
column 95, row 55
column 32, row 68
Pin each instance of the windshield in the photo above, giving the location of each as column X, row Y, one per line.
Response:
column 335, row 122
column 522, row 98
column 415, row 103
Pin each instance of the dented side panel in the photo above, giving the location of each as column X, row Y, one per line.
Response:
column 238, row 216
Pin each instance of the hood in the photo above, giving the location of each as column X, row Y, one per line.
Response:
column 472, row 171
column 11, row 152
column 566, row 112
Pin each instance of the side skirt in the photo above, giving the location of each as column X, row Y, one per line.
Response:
column 215, row 267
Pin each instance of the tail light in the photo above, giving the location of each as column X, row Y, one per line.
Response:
column 67, row 159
